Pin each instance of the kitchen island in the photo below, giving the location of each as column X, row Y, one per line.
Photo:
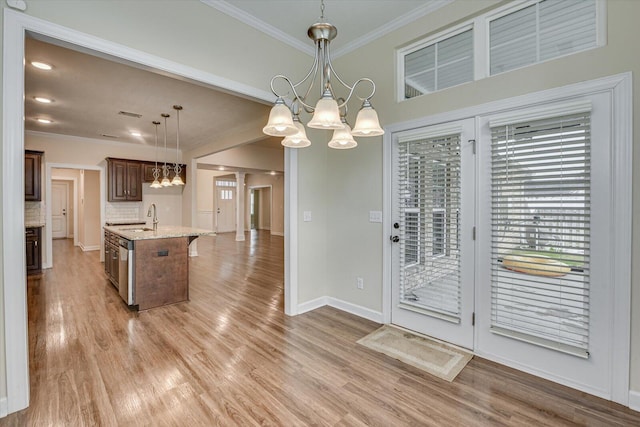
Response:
column 149, row 268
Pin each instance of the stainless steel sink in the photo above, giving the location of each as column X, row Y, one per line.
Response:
column 136, row 230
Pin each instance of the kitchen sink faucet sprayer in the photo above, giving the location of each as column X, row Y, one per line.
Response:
column 155, row 216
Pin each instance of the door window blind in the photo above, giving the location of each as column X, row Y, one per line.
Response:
column 540, row 231
column 429, row 193
column 443, row 64
column 545, row 30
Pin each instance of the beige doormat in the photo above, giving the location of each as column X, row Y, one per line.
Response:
column 435, row 357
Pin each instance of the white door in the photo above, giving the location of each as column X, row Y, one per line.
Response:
column 59, row 209
column 433, row 216
column 544, row 270
column 226, row 209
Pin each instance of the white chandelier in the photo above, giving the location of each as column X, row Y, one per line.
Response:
column 330, row 111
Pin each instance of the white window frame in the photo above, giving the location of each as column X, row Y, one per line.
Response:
column 601, row 32
column 421, row 44
column 481, row 49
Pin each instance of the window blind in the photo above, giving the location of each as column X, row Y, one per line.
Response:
column 540, row 231
column 440, row 65
column 545, row 30
column 429, row 177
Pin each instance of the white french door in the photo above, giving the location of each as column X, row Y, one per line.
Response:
column 514, row 231
column 544, row 290
column 433, row 217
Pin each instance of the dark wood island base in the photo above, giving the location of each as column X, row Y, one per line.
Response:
column 161, row 272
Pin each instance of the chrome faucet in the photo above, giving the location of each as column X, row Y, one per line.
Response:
column 155, row 216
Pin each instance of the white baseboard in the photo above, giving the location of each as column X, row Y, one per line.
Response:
column 634, row 400
column 348, row 307
column 358, row 310
column 312, row 305
column 89, row 248
column 3, row 407
column 277, row 233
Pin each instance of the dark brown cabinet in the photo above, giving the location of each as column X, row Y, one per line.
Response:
column 34, row 250
column 125, row 180
column 32, row 175
column 147, row 171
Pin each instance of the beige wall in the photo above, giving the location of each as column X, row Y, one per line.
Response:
column 248, row 157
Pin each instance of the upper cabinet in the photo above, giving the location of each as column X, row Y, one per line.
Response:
column 32, row 175
column 125, row 180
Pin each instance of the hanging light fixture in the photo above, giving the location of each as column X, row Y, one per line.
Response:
column 165, row 169
column 327, row 110
column 342, row 138
column 156, row 170
column 177, row 180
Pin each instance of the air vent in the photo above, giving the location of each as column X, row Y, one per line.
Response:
column 106, row 135
column 130, row 114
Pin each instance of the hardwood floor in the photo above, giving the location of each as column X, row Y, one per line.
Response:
column 231, row 357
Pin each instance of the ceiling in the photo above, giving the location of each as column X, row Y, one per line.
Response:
column 88, row 91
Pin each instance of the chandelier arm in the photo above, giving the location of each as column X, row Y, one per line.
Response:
column 293, row 88
column 353, row 88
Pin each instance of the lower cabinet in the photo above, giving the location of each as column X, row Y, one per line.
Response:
column 33, row 236
column 111, row 253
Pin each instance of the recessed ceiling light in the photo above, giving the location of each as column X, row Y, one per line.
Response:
column 45, row 121
column 221, row 168
column 43, row 99
column 135, row 133
column 272, row 172
column 41, row 65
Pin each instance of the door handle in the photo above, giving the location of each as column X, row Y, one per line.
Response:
column 394, row 239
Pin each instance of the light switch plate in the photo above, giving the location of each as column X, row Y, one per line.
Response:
column 375, row 216
column 306, row 216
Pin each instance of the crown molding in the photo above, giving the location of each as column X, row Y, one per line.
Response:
column 225, row 7
column 242, row 16
column 390, row 26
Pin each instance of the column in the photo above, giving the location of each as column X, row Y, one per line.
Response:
column 240, row 206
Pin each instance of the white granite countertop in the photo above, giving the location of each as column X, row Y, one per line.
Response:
column 164, row 232
column 34, row 224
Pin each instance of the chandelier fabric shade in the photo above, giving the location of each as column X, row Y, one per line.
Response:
column 329, row 111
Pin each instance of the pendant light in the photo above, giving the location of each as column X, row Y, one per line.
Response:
column 156, row 171
column 326, row 112
column 298, row 140
column 342, row 139
column 177, row 180
column 165, row 169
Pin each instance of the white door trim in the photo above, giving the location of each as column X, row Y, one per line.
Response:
column 270, row 187
column 15, row 314
column 620, row 87
column 65, row 182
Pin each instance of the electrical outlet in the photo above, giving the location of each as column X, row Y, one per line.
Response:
column 360, row 282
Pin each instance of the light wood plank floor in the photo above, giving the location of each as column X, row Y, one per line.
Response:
column 231, row 357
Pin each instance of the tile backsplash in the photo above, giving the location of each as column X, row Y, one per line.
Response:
column 125, row 211
column 34, row 212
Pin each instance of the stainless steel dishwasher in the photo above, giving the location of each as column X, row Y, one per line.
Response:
column 126, row 271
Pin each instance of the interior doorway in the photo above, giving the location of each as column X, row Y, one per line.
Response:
column 260, row 208
column 61, row 199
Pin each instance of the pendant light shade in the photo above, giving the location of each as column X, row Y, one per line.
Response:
column 177, row 180
column 326, row 114
column 367, row 123
column 299, row 140
column 280, row 121
column 342, row 139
